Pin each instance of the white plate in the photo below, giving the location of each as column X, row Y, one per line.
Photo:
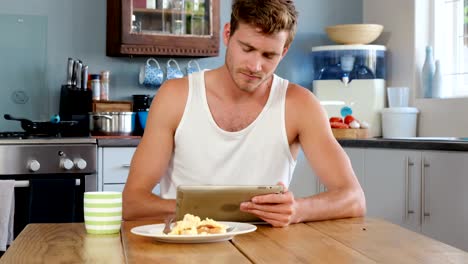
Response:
column 155, row 231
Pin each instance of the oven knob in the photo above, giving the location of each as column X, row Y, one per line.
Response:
column 34, row 165
column 80, row 164
column 66, row 164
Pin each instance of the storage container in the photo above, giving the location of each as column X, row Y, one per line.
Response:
column 399, row 122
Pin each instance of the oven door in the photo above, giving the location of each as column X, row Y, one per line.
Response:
column 49, row 198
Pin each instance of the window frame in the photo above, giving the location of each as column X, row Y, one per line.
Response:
column 449, row 46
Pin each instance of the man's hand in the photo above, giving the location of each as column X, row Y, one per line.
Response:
column 277, row 209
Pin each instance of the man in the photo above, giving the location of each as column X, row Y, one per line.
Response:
column 241, row 124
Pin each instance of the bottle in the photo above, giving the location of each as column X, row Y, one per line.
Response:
column 96, row 86
column 437, row 83
column 104, row 95
column 427, row 74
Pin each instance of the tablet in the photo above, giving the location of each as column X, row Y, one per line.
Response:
column 220, row 203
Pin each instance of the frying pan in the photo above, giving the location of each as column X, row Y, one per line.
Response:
column 42, row 127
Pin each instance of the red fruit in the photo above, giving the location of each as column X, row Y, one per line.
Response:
column 336, row 119
column 348, row 119
column 338, row 125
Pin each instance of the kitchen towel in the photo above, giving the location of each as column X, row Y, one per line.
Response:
column 52, row 201
column 7, row 211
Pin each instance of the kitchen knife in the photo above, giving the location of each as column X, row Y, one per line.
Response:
column 69, row 71
column 78, row 74
column 84, row 78
column 75, row 67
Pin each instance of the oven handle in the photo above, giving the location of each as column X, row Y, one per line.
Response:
column 20, row 184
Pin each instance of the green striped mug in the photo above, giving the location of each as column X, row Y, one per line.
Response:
column 102, row 212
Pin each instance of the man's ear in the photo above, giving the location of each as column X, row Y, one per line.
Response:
column 226, row 33
column 285, row 50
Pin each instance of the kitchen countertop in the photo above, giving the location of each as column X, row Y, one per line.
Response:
column 352, row 240
column 428, row 143
column 432, row 143
column 118, row 141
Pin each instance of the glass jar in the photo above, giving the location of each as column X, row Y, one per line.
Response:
column 104, row 95
column 96, row 86
column 178, row 17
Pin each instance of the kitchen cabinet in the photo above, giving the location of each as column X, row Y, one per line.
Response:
column 305, row 182
column 163, row 27
column 113, row 168
column 445, row 214
column 424, row 191
column 391, row 185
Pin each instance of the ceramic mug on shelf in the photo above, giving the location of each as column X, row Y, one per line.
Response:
column 191, row 69
column 151, row 75
column 173, row 72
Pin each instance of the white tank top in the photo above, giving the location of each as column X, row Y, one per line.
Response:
column 205, row 154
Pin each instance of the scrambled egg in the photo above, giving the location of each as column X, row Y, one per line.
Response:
column 193, row 225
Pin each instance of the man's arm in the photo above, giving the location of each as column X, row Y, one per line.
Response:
column 344, row 196
column 307, row 124
column 152, row 156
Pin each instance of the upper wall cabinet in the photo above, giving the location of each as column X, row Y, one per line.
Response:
column 163, row 27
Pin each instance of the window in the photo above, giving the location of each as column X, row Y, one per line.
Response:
column 450, row 24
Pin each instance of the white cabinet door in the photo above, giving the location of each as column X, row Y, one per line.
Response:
column 392, row 185
column 446, row 197
column 113, row 187
column 304, row 181
column 357, row 158
column 116, row 164
column 114, row 168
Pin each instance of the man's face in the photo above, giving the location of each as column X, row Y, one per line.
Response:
column 252, row 56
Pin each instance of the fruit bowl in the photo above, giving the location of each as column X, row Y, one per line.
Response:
column 354, row 33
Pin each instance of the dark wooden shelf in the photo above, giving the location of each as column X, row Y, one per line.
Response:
column 122, row 41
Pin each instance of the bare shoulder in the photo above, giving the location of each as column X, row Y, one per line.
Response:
column 169, row 102
column 302, row 103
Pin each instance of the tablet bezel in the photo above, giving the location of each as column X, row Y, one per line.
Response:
column 220, row 202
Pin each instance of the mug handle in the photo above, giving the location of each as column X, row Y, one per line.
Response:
column 196, row 63
column 174, row 61
column 153, row 59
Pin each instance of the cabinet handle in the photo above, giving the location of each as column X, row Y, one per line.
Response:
column 125, row 165
column 407, row 188
column 424, row 165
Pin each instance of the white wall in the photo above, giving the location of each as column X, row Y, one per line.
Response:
column 406, row 44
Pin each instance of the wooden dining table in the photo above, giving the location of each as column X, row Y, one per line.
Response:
column 353, row 240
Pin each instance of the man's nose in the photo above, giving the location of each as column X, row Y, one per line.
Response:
column 255, row 64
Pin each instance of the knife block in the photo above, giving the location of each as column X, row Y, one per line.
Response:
column 75, row 104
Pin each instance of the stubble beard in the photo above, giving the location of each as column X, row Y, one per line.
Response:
column 246, row 86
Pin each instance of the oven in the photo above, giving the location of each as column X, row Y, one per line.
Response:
column 50, row 177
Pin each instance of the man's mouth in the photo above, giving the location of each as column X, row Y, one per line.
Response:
column 251, row 76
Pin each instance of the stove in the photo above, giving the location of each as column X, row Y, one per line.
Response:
column 42, row 168
column 25, row 154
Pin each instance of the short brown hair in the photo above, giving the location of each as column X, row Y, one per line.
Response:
column 271, row 16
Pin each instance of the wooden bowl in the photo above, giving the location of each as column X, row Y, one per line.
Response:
column 350, row 133
column 354, row 33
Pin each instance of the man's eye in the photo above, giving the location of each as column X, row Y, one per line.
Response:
column 247, row 49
